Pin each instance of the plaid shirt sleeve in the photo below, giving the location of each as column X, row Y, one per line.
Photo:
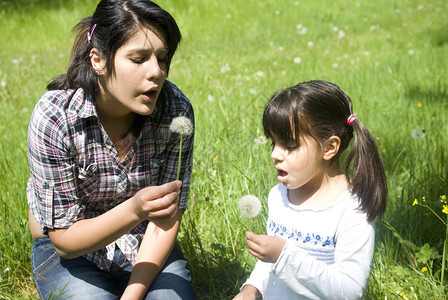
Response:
column 51, row 187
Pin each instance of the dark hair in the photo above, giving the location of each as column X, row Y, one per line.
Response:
column 320, row 109
column 116, row 22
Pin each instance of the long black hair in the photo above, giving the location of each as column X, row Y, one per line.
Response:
column 113, row 23
column 320, row 109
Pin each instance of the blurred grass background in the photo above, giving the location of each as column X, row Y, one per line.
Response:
column 390, row 57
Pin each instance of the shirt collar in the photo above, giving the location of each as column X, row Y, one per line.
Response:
column 82, row 105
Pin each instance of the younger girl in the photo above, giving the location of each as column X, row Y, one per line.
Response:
column 103, row 163
column 320, row 226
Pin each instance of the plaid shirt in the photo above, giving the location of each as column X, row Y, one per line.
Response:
column 76, row 173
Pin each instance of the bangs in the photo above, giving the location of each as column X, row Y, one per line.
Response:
column 281, row 120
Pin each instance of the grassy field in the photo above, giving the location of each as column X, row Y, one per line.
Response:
column 390, row 56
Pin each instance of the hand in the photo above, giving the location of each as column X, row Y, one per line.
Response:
column 249, row 292
column 156, row 202
column 265, row 247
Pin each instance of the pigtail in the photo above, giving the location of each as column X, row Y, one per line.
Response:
column 368, row 178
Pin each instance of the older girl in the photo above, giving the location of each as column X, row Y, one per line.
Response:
column 103, row 162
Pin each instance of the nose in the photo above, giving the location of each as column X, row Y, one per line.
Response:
column 154, row 69
column 277, row 153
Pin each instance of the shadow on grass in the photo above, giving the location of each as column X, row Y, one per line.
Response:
column 439, row 35
column 436, row 92
column 216, row 273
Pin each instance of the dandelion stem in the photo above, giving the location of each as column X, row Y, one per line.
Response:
column 180, row 156
column 445, row 249
column 248, row 220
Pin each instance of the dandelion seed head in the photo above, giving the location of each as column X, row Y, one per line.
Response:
column 341, row 34
column 249, row 205
column 297, row 60
column 181, row 125
column 302, row 31
column 417, row 134
column 261, row 140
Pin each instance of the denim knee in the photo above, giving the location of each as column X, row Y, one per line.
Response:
column 56, row 277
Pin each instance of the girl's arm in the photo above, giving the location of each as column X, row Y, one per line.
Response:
column 92, row 234
column 248, row 292
column 346, row 278
column 155, row 248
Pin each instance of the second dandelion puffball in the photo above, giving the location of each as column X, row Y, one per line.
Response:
column 250, row 206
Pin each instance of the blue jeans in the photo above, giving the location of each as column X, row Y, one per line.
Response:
column 59, row 278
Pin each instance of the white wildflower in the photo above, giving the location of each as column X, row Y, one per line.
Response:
column 210, row 98
column 250, row 206
column 297, row 60
column 260, row 140
column 225, row 69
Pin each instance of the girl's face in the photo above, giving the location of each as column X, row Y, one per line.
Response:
column 297, row 167
column 140, row 71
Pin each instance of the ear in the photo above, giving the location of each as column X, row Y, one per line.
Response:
column 331, row 147
column 98, row 63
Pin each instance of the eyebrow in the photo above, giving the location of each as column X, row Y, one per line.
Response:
column 146, row 50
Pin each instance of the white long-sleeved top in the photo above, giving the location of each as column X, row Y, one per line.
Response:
column 327, row 254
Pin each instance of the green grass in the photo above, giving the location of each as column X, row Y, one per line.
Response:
column 389, row 56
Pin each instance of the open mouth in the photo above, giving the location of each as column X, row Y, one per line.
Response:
column 150, row 95
column 281, row 175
